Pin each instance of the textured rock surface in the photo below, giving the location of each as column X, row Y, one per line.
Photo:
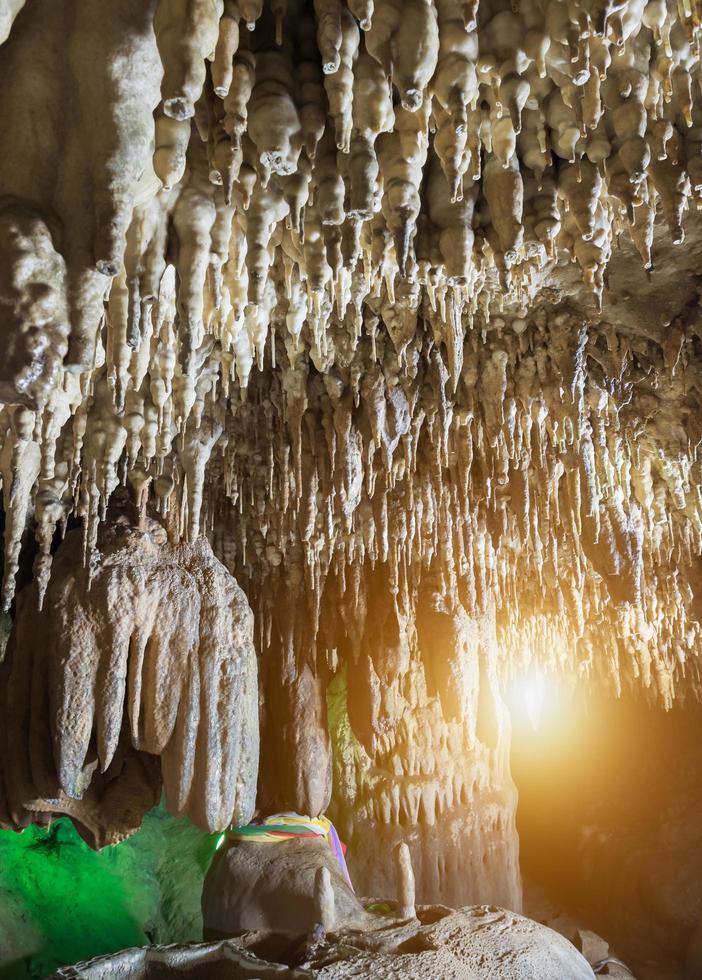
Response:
column 61, row 901
column 209, row 961
column 440, row 786
column 138, row 672
column 476, row 943
column 387, row 301
column 261, row 887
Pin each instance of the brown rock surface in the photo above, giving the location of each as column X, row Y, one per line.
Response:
column 140, row 674
column 206, row 961
column 476, row 943
column 271, row 887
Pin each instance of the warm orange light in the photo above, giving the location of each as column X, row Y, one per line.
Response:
column 534, row 692
column 534, row 699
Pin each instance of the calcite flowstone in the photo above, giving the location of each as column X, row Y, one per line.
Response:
column 436, row 776
column 139, row 670
column 206, row 961
column 475, row 943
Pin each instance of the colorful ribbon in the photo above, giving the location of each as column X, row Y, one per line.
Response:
column 284, row 826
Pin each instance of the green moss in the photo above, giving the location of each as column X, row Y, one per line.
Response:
column 61, row 902
column 349, row 756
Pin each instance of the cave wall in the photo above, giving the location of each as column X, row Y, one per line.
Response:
column 427, row 761
column 60, row 901
column 440, row 789
column 392, row 718
column 136, row 673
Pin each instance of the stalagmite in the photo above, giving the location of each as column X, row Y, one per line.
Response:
column 324, row 899
column 405, row 882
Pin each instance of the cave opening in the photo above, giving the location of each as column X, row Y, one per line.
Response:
column 609, row 820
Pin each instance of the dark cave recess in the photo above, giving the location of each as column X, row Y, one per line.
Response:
column 610, row 822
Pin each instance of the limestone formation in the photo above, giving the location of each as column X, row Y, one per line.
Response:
column 397, row 305
column 275, row 888
column 429, row 783
column 412, row 372
column 464, row 945
column 470, row 943
column 222, row 959
column 137, row 673
column 405, row 882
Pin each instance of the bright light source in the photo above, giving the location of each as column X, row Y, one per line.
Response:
column 533, row 692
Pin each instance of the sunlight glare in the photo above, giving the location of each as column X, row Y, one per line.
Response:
column 534, row 697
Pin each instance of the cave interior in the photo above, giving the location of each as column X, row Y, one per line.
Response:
column 351, row 506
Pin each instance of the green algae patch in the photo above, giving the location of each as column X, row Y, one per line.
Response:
column 61, row 902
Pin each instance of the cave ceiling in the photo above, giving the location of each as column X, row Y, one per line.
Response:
column 394, row 299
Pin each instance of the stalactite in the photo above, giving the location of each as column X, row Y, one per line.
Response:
column 354, row 290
